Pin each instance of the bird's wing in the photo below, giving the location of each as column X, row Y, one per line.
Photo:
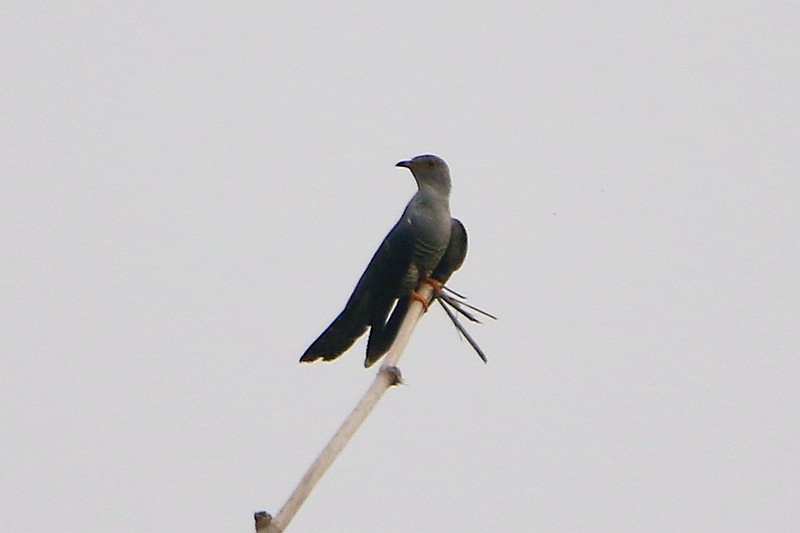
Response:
column 372, row 299
column 456, row 252
column 381, row 339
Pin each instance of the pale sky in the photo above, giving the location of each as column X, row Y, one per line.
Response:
column 190, row 192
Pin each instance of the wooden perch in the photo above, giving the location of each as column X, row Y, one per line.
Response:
column 388, row 376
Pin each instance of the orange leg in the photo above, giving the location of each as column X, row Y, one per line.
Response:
column 435, row 283
column 437, row 286
column 418, row 297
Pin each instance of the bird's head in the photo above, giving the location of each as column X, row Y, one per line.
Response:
column 429, row 170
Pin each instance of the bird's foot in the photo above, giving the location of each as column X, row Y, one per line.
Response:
column 421, row 299
column 437, row 288
column 435, row 283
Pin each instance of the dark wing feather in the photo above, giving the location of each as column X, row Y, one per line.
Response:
column 372, row 299
column 382, row 337
column 380, row 340
column 456, row 252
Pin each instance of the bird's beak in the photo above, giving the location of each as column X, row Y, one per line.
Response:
column 406, row 164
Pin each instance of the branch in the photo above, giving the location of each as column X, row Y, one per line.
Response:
column 388, row 376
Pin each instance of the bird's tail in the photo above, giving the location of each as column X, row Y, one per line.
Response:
column 381, row 338
column 337, row 338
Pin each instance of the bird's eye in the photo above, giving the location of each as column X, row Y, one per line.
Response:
column 430, row 163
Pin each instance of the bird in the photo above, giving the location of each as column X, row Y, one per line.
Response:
column 425, row 246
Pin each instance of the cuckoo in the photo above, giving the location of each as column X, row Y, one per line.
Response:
column 425, row 246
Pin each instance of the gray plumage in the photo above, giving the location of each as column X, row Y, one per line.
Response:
column 409, row 254
column 455, row 254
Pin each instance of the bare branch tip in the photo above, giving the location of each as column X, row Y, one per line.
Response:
column 394, row 375
column 263, row 520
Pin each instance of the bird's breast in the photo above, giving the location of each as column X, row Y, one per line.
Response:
column 432, row 238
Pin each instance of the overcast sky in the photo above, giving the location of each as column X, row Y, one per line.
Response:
column 189, row 193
